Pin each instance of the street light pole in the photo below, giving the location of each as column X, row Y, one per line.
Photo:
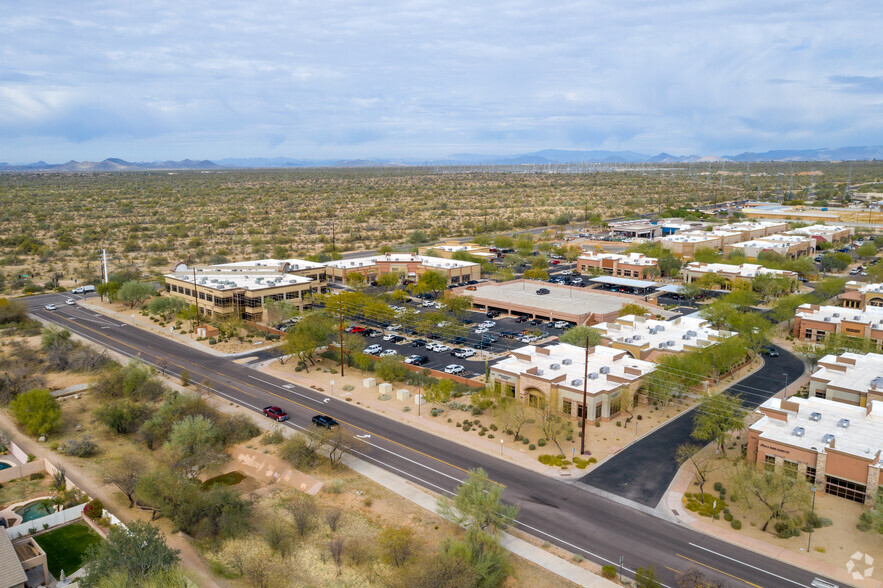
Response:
column 785, row 389
column 582, row 438
column 811, row 519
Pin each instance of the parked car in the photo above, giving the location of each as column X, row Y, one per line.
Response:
column 372, row 350
column 275, row 413
column 454, row 369
column 494, row 313
column 49, row 307
column 543, row 291
column 458, row 340
column 322, row 420
column 388, row 352
column 358, row 330
column 480, row 330
column 566, row 272
column 472, row 282
column 441, row 348
column 464, row 353
column 389, row 336
column 561, row 324
column 770, row 351
column 398, row 339
column 372, row 333
column 471, row 288
column 536, row 321
column 416, row 359
column 488, row 324
column 427, row 303
column 521, row 319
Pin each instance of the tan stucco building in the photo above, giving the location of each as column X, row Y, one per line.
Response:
column 631, row 265
column 408, row 265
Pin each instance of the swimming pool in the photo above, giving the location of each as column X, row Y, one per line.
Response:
column 34, row 510
column 4, row 465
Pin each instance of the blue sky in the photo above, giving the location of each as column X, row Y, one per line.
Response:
column 154, row 80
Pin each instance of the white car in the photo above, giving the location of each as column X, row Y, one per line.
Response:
column 565, row 273
column 49, row 307
column 428, row 303
column 395, row 327
column 388, row 352
column 70, row 301
column 412, row 358
column 561, row 324
column 480, row 330
column 454, row 369
column 488, row 324
column 440, row 306
column 372, row 350
column 444, row 324
column 389, row 336
column 439, row 348
column 464, row 353
column 577, row 281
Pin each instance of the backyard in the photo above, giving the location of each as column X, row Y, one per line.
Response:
column 66, row 547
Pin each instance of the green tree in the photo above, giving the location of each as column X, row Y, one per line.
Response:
column 54, row 337
column 165, row 307
column 828, row 288
column 389, row 280
column 524, row 245
column 477, row 504
column 553, row 425
column 741, row 299
column 581, row 336
column 716, row 416
column 134, row 293
column 710, row 280
column 632, row 308
column 669, row 265
column 872, row 520
column 754, row 329
column 138, row 550
column 108, row 290
column 504, row 242
column 484, row 554
column 706, row 255
column 689, row 291
column 701, row 462
column 835, row 262
column 37, row 411
column 311, row 333
column 417, row 236
column 432, row 281
column 867, row 250
column 355, row 280
column 397, row 545
column 539, row 263
column 536, row 274
column 458, row 304
column 439, row 393
column 781, row 495
column 391, row 368
column 194, row 443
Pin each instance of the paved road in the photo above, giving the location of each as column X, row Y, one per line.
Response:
column 565, row 514
column 643, row 471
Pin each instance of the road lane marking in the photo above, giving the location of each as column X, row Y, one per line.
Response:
column 747, row 565
column 289, row 390
column 717, row 570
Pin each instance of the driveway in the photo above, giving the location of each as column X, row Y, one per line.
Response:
column 643, row 471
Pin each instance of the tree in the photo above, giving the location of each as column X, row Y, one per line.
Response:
column 477, row 504
column 302, row 508
column 536, row 274
column 389, row 280
column 872, row 520
column 781, row 495
column 138, row 550
column 108, row 290
column 339, row 441
column 689, row 291
column 700, row 462
column 134, row 293
column 632, row 308
column 458, row 304
column 440, row 392
column 194, row 443
column 165, row 307
column 417, row 236
column 716, row 416
column 709, row 280
column 828, row 288
column 355, row 280
column 669, row 265
column 647, row 578
column 397, row 545
column 312, row 332
column 867, row 250
column 125, row 474
column 432, row 281
column 504, row 242
column 553, row 426
column 754, row 329
column 511, row 415
column 706, row 255
column 37, row 411
column 279, row 311
column 484, row 554
column 742, row 299
column 831, row 262
column 581, row 336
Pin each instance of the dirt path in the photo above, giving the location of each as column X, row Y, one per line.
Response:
column 110, row 496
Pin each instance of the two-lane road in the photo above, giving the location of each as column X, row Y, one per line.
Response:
column 566, row 514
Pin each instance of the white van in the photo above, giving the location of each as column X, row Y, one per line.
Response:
column 83, row 289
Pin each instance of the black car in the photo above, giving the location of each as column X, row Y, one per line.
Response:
column 482, row 345
column 493, row 313
column 472, row 282
column 322, row 420
column 458, row 340
column 398, row 339
column 521, row 319
column 536, row 322
column 542, row 291
column 418, row 343
column 467, row 321
column 551, row 324
column 423, row 359
column 488, row 339
column 770, row 352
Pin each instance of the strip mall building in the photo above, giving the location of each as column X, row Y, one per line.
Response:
column 407, row 265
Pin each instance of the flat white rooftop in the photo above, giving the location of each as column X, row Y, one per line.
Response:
column 294, row 264
column 569, row 361
column 819, row 424
column 685, row 332
column 851, row 371
column 230, row 281
column 871, row 315
column 863, row 287
column 746, row 270
column 700, row 237
column 560, row 300
column 630, row 258
column 820, row 230
column 437, row 262
column 751, row 225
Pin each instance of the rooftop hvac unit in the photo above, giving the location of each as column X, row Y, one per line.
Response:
column 214, row 280
column 827, row 319
column 798, row 431
column 660, row 328
column 877, row 382
column 539, row 372
column 815, row 417
column 605, row 369
column 662, row 345
column 856, row 318
column 627, row 340
column 652, row 330
column 636, row 338
column 836, row 315
column 692, row 333
column 843, row 423
column 577, row 382
column 567, row 361
column 555, row 366
column 593, row 375
column 670, row 343
column 827, row 438
column 685, row 336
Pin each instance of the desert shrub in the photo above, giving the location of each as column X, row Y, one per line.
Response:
column 532, row 447
column 37, row 411
column 736, row 524
column 301, row 451
column 704, row 505
column 787, row 528
column 525, row 440
column 814, row 521
column 94, row 509
column 79, row 447
column 541, row 442
column 553, row 460
column 608, row 572
column 718, row 486
column 37, row 476
column 122, row 416
column 274, row 437
column 237, row 428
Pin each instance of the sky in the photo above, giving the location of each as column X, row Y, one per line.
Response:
column 160, row 80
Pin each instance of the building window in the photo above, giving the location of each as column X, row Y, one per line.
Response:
column 510, row 391
column 808, row 334
column 579, row 411
column 498, row 387
column 567, row 407
column 845, row 489
column 811, row 474
column 769, row 463
column 598, row 408
column 822, row 393
column 790, row 469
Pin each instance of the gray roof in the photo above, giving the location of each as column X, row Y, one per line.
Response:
column 11, row 572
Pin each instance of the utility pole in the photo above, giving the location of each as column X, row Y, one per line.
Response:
column 195, row 297
column 332, row 236
column 582, row 438
column 340, row 328
column 104, row 256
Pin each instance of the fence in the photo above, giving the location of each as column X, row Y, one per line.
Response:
column 21, row 471
column 52, row 520
column 18, row 453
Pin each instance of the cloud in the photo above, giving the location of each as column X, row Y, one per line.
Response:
column 359, row 78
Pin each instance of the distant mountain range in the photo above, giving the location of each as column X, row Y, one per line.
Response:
column 546, row 156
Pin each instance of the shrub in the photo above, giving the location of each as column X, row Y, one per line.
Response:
column 608, row 572
column 274, row 437
column 37, row 411
column 728, row 517
column 736, row 524
column 525, row 440
column 122, row 416
column 532, row 447
column 334, row 486
column 597, row 424
column 185, row 378
column 79, row 447
column 491, row 436
column 93, row 509
column 718, row 486
column 493, row 427
column 787, row 528
column 541, row 442
column 237, row 428
column 37, row 476
column 618, row 423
